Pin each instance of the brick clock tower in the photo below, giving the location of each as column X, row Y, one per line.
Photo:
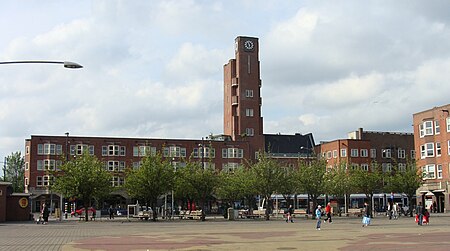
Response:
column 242, row 95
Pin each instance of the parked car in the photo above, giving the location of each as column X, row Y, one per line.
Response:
column 81, row 211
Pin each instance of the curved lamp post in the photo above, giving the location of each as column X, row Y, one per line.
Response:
column 67, row 64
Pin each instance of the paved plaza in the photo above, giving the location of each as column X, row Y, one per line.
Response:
column 219, row 234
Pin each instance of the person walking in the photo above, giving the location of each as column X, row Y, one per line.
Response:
column 366, row 215
column 328, row 212
column 45, row 213
column 318, row 216
column 395, row 211
column 419, row 214
column 290, row 213
column 111, row 212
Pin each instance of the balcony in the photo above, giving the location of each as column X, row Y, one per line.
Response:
column 234, row 82
column 234, row 100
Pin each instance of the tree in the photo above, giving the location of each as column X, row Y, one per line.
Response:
column 338, row 182
column 83, row 177
column 14, row 171
column 406, row 181
column 196, row 182
column 289, row 185
column 367, row 182
column 269, row 177
column 151, row 180
column 310, row 177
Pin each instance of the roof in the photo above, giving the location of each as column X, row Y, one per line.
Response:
column 285, row 144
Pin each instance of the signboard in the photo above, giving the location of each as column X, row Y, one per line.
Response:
column 23, row 202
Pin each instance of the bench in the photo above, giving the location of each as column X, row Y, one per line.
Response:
column 355, row 212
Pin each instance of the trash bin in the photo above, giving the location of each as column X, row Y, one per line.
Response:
column 231, row 215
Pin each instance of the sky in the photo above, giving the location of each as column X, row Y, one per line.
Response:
column 154, row 69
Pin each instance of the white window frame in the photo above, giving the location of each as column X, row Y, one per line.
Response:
column 343, row 152
column 354, row 152
column 373, row 153
column 249, row 132
column 401, row 153
column 249, row 112
column 438, row 149
column 437, row 128
column 249, row 93
column 426, row 128
column 364, row 153
column 365, row 167
column 401, row 167
column 386, row 153
column 439, row 171
column 429, row 172
column 335, row 154
column 447, row 121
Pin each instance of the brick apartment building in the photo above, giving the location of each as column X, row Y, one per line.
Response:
column 432, row 141
column 243, row 137
column 362, row 148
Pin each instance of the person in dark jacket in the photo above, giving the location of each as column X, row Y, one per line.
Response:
column 45, row 213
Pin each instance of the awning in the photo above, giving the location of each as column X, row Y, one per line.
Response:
column 429, row 194
column 439, row 191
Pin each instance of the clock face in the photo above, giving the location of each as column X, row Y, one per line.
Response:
column 248, row 45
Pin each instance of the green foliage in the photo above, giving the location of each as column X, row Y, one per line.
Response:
column 269, row 177
column 15, row 171
column 196, row 183
column 83, row 177
column 151, row 180
column 236, row 185
column 311, row 178
column 338, row 181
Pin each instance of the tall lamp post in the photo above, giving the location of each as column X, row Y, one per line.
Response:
column 66, row 64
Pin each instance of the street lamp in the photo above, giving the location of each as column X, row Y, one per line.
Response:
column 66, row 64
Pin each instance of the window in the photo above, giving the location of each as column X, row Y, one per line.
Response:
column 113, row 166
column 113, row 150
column 386, row 167
column 365, row 167
column 386, row 153
column 117, row 181
column 413, row 154
column 136, row 165
column 230, row 167
column 27, row 166
column 401, row 153
column 438, row 149
column 343, row 152
column 428, row 172
column 232, row 153
column 427, row 150
column 27, row 182
column 364, row 153
column 373, row 153
column 39, row 181
column 354, row 153
column 80, row 148
column 249, row 132
column 40, row 165
column 335, row 153
column 27, row 150
column 354, row 166
column 329, row 155
column 209, row 152
column 47, row 180
column 249, row 93
column 49, row 149
column 447, row 120
column 437, row 128
column 49, row 164
column 401, row 167
column 174, row 151
column 249, row 112
column 139, row 151
column 426, row 128
column 439, row 171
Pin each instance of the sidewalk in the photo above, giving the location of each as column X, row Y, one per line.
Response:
column 220, row 234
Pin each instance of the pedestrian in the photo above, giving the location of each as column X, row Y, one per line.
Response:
column 395, row 211
column 419, row 214
column 290, row 214
column 328, row 212
column 434, row 207
column 366, row 215
column 45, row 213
column 389, row 210
column 111, row 212
column 318, row 216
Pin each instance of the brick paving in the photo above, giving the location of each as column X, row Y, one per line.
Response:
column 218, row 234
